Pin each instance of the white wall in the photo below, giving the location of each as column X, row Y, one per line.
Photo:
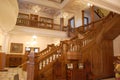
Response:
column 77, row 16
column 1, row 36
column 78, row 19
column 116, row 44
column 42, row 42
column 8, row 14
column 21, row 34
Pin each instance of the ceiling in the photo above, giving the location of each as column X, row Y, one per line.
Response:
column 111, row 5
column 25, row 5
column 53, row 7
column 75, row 6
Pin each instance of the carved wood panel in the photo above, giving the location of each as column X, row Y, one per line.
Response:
column 14, row 60
column 101, row 58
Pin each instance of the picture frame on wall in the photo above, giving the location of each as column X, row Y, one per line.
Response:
column 16, row 48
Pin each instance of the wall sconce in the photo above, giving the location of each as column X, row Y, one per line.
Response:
column 36, row 8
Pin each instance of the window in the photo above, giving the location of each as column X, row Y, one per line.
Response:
column 35, row 49
column 72, row 22
column 86, row 21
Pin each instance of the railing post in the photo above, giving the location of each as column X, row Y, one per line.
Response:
column 68, row 30
column 65, row 49
column 2, row 61
column 92, row 16
column 30, row 66
column 83, row 20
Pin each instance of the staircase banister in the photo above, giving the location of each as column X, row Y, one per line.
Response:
column 46, row 50
column 42, row 57
column 101, row 19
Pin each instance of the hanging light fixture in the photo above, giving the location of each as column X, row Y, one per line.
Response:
column 89, row 4
column 33, row 42
column 36, row 8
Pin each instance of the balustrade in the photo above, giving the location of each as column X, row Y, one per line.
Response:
column 38, row 24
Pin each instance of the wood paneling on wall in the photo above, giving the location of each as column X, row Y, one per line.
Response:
column 101, row 57
column 2, row 61
column 14, row 60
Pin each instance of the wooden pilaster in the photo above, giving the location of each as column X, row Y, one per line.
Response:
column 2, row 61
column 83, row 19
column 92, row 13
column 61, row 23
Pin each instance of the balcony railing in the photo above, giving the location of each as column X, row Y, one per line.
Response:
column 38, row 24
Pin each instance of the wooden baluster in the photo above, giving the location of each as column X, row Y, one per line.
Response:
column 40, row 65
column 53, row 57
column 43, row 63
column 50, row 59
column 47, row 61
column 83, row 42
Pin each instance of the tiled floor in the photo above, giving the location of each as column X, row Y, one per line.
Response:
column 109, row 79
column 9, row 75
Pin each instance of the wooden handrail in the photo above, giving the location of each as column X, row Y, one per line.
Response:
column 92, row 23
column 42, row 57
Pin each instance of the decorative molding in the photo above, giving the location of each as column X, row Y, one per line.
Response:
column 22, row 30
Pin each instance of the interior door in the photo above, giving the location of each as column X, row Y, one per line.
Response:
column 71, row 23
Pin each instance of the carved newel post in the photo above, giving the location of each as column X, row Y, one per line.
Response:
column 65, row 48
column 30, row 66
column 2, row 61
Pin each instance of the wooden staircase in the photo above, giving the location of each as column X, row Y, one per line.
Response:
column 51, row 63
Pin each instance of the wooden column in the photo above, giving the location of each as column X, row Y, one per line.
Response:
column 92, row 17
column 2, row 61
column 83, row 19
column 92, row 13
column 30, row 67
column 61, row 23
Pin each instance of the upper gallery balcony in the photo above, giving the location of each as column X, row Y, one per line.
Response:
column 32, row 20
